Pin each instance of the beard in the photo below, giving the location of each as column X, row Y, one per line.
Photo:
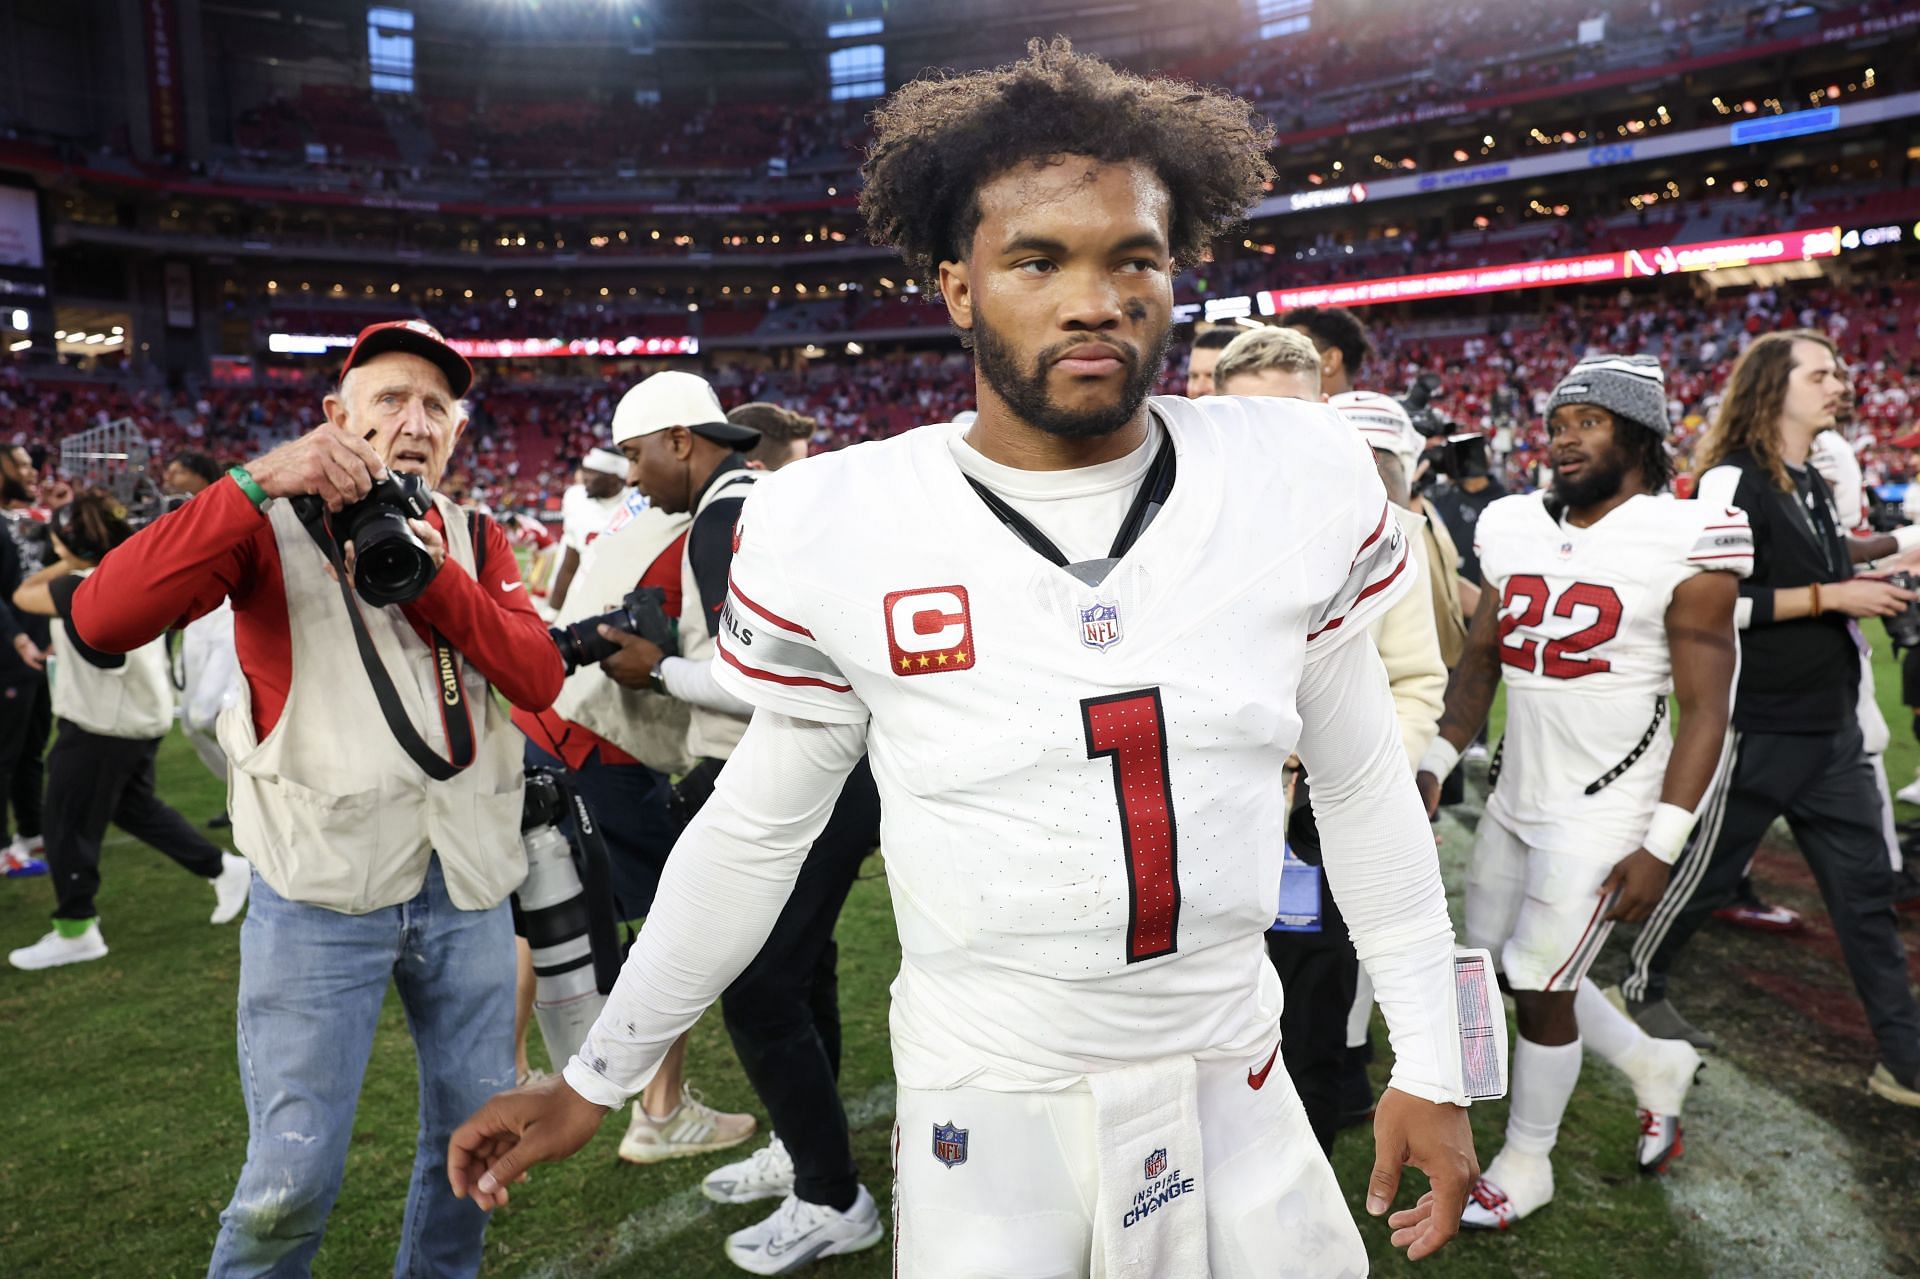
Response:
column 1601, row 480
column 1025, row 390
column 13, row 491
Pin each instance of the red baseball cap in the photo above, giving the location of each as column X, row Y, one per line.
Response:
column 416, row 337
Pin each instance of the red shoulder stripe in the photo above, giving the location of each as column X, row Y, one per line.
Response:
column 768, row 614
column 796, row 681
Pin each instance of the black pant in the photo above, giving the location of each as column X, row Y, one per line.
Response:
column 1825, row 787
column 783, row 1012
column 92, row 780
column 26, row 717
column 1319, row 976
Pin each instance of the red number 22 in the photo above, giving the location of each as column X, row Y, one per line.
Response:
column 1560, row 660
column 1130, row 730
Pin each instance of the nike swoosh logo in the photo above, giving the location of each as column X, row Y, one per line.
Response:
column 777, row 1249
column 507, row 588
column 1257, row 1078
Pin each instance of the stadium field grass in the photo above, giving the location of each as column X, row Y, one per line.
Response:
column 126, row 1128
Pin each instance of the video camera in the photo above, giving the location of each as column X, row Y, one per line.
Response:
column 643, row 612
column 1457, row 454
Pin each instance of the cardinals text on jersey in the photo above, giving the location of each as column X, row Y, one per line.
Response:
column 1583, row 648
column 1080, row 786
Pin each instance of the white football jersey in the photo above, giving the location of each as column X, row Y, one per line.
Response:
column 1080, row 785
column 1583, row 649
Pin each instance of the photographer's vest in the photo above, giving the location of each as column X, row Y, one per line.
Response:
column 710, row 734
column 647, row 726
column 133, row 699
column 328, row 808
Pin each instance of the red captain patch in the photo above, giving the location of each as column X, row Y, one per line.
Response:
column 928, row 630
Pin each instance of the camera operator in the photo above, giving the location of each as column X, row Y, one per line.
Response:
column 782, row 1012
column 586, row 509
column 376, row 782
column 113, row 712
column 26, row 706
column 1796, row 747
column 618, row 747
column 209, row 666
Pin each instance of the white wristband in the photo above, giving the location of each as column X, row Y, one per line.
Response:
column 1441, row 759
column 1905, row 538
column 1667, row 832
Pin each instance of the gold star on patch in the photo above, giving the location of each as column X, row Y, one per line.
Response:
column 906, row 663
column 942, row 659
column 960, row 656
column 924, row 663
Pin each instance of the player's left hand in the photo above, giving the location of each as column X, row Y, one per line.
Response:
column 1640, row 880
column 633, row 665
column 1435, row 1138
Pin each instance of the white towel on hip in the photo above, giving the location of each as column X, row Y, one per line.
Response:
column 1150, row 1214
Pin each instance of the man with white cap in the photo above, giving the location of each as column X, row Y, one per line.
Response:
column 688, row 456
column 586, row 508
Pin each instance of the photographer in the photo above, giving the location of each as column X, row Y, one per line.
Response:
column 782, row 1012
column 376, row 782
column 113, row 712
column 1796, row 748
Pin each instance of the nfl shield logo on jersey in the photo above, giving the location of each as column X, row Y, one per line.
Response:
column 1100, row 626
column 1156, row 1164
column 949, row 1144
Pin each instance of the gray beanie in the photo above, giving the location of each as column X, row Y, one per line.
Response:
column 1628, row 386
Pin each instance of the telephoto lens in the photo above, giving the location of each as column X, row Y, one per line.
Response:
column 555, row 913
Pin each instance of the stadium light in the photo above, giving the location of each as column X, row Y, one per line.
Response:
column 21, row 345
column 20, row 320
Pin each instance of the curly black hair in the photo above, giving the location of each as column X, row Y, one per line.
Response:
column 939, row 140
column 1646, row 449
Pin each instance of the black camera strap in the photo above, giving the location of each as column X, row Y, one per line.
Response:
column 455, row 715
column 596, row 878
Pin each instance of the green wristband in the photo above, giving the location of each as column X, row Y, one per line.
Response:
column 249, row 486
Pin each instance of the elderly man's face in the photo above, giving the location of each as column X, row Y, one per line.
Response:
column 401, row 404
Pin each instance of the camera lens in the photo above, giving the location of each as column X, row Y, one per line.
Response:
column 390, row 566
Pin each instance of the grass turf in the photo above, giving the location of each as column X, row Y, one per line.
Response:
column 127, row 1128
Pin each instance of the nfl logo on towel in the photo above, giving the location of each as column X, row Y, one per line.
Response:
column 1156, row 1164
column 949, row 1144
column 1100, row 626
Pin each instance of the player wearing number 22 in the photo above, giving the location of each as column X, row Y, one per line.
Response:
column 1078, row 640
column 1606, row 596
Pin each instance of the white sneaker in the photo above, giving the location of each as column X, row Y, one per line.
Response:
column 767, row 1173
column 1910, row 793
column 694, row 1128
column 799, row 1233
column 1511, row 1188
column 53, row 950
column 230, row 887
column 1663, row 1072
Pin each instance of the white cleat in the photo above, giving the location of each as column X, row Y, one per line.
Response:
column 800, row 1233
column 230, row 887
column 53, row 950
column 767, row 1173
column 1511, row 1188
column 1661, row 1078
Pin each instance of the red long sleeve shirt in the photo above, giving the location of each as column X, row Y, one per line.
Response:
column 220, row 546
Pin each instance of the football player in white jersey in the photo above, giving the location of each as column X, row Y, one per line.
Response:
column 1606, row 595
column 1078, row 639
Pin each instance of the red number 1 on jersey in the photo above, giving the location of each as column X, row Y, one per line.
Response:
column 1129, row 729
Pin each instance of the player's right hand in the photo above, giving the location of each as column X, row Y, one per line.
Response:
column 1640, row 880
column 333, row 464
column 1865, row 597
column 1429, row 792
column 543, row 1122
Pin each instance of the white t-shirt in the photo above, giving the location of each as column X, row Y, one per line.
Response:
column 1583, row 647
column 583, row 517
column 1081, row 786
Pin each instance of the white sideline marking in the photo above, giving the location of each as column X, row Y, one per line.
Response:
column 662, row 1220
column 1766, row 1187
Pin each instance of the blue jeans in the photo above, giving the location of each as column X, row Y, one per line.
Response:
column 311, row 984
